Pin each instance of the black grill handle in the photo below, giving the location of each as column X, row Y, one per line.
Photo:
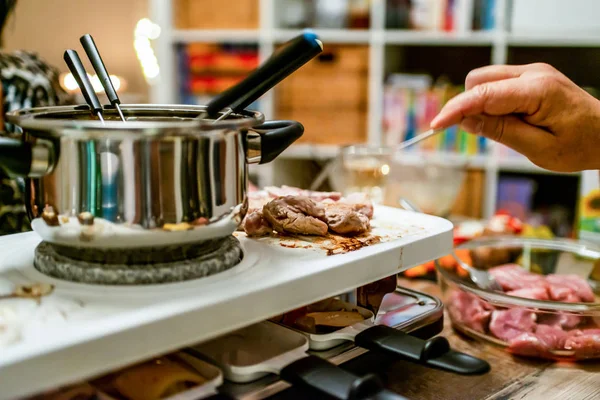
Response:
column 318, row 374
column 435, row 352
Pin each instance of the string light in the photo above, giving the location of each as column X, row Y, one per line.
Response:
column 145, row 31
column 68, row 82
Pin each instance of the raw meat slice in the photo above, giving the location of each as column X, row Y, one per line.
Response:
column 508, row 324
column 296, row 214
column 540, row 343
column 469, row 310
column 343, row 219
column 256, row 225
column 529, row 344
column 560, row 319
column 514, row 277
column 554, row 336
column 584, row 343
column 561, row 284
column 591, row 331
column 320, row 196
column 536, row 293
column 292, row 191
column 563, row 293
column 283, row 191
column 256, row 200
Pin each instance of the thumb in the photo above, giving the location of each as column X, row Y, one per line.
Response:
column 511, row 131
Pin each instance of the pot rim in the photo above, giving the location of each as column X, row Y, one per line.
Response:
column 59, row 121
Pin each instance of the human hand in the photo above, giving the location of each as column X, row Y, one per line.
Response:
column 533, row 109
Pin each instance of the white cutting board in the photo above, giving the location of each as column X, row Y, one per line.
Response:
column 80, row 330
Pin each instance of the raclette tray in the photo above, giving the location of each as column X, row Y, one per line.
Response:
column 235, row 355
column 409, row 311
column 103, row 328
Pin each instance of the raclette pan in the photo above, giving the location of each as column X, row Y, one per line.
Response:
column 266, row 348
column 378, row 335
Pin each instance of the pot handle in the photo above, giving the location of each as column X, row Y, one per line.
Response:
column 15, row 157
column 316, row 373
column 272, row 139
column 435, row 352
column 21, row 159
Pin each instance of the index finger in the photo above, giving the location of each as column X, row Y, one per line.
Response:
column 504, row 97
column 493, row 73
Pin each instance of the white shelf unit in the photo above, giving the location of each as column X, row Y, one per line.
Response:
column 378, row 38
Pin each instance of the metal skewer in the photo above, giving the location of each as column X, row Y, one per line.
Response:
column 76, row 67
column 94, row 55
column 418, row 138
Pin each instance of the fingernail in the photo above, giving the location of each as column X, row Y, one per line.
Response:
column 435, row 122
column 472, row 124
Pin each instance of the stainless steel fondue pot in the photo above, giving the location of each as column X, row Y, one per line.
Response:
column 163, row 177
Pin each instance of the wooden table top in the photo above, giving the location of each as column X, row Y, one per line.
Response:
column 510, row 377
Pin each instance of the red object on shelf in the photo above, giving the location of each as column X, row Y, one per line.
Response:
column 199, row 85
column 220, row 62
column 449, row 16
column 503, row 221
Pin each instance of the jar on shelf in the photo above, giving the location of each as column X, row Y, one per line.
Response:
column 294, row 13
column 331, row 14
column 359, row 14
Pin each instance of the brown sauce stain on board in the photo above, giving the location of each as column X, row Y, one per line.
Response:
column 332, row 244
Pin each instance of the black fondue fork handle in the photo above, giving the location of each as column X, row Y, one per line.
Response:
column 435, row 352
column 284, row 61
column 79, row 73
column 87, row 41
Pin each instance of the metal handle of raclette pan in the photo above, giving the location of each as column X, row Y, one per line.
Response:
column 315, row 373
column 435, row 352
column 284, row 61
column 79, row 73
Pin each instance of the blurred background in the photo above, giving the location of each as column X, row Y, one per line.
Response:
column 387, row 68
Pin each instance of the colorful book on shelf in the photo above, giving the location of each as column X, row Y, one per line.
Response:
column 435, row 15
column 489, row 20
column 484, row 15
column 449, row 17
column 206, row 69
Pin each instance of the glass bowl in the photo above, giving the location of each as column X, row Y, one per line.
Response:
column 430, row 181
column 548, row 308
column 363, row 169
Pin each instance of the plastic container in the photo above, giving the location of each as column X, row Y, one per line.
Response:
column 530, row 327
